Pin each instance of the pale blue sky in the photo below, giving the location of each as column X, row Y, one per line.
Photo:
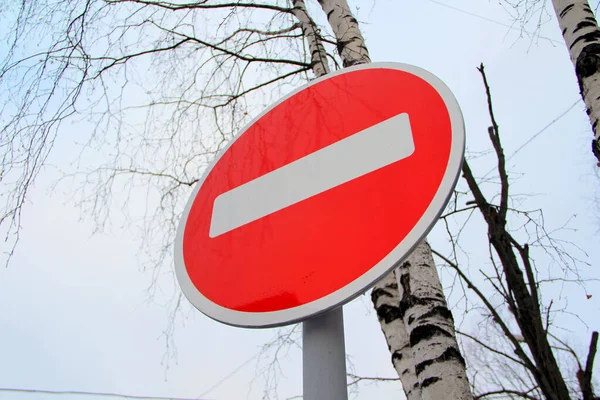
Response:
column 74, row 313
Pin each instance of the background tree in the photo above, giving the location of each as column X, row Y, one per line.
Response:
column 527, row 350
column 582, row 38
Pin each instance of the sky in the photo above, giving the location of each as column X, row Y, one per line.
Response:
column 75, row 310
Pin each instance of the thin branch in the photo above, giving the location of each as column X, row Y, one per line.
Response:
column 259, row 32
column 497, row 318
column 203, row 5
column 356, row 379
column 457, row 211
column 261, row 85
column 124, row 59
column 524, row 395
column 493, row 350
column 154, row 174
column 248, row 58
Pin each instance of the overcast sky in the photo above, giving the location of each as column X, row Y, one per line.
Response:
column 75, row 313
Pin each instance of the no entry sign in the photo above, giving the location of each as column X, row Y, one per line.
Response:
column 320, row 196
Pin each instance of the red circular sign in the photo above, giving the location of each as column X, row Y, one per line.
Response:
column 320, row 195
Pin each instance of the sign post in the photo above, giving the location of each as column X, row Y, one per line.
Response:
column 315, row 200
column 324, row 357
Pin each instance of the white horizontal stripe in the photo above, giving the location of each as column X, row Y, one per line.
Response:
column 366, row 151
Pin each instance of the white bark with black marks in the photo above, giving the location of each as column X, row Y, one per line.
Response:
column 386, row 300
column 440, row 368
column 582, row 37
column 318, row 55
column 413, row 311
column 350, row 42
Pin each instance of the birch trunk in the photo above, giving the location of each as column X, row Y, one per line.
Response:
column 386, row 299
column 318, row 55
column 349, row 39
column 414, row 316
column 439, row 367
column 582, row 37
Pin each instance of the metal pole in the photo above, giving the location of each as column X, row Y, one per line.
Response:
column 324, row 357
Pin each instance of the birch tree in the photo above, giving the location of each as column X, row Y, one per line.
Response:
column 580, row 32
column 424, row 351
column 582, row 37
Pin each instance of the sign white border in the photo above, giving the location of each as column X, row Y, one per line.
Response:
column 368, row 279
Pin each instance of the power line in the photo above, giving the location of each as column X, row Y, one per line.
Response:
column 531, row 139
column 472, row 14
column 134, row 397
column 544, row 128
column 98, row 394
column 225, row 378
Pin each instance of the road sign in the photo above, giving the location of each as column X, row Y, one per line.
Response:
column 320, row 195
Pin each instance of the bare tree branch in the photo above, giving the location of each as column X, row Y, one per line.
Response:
column 356, row 379
column 524, row 395
column 201, row 5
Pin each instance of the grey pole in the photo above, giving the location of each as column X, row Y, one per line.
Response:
column 324, row 357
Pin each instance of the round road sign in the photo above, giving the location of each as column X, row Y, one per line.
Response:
column 320, row 195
